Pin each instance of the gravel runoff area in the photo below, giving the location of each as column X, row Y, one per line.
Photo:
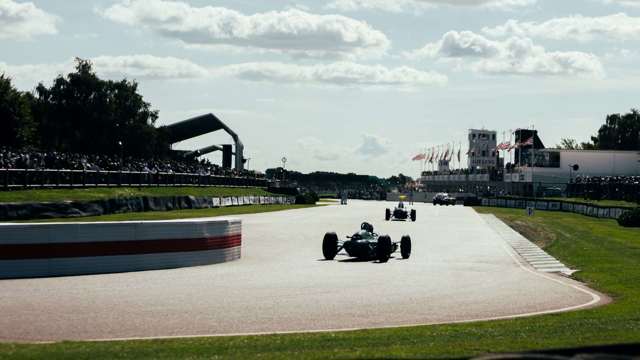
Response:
column 460, row 270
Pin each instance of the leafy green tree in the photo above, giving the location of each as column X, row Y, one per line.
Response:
column 16, row 121
column 620, row 132
column 83, row 113
column 569, row 144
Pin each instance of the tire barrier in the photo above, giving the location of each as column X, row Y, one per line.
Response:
column 604, row 212
column 60, row 249
column 27, row 211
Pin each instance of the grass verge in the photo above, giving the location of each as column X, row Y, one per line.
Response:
column 57, row 195
column 180, row 214
column 607, row 255
column 620, row 203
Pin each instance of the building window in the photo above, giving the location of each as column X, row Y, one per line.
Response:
column 473, row 136
column 484, row 153
column 493, row 137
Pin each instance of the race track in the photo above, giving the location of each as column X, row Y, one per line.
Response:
column 460, row 270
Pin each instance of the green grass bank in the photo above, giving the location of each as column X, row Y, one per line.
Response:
column 607, row 255
column 88, row 194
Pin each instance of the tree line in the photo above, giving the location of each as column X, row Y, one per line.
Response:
column 81, row 113
column 332, row 180
column 619, row 132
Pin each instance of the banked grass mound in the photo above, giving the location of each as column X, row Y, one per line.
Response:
column 88, row 194
column 607, row 255
column 48, row 204
column 180, row 214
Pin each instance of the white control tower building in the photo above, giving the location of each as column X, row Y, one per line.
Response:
column 482, row 149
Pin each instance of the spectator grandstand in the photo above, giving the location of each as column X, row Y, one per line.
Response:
column 29, row 168
column 605, row 188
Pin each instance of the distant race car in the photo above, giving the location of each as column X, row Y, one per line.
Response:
column 444, row 199
column 400, row 213
column 365, row 244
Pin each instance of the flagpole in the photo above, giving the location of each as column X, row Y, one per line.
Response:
column 533, row 161
column 511, row 144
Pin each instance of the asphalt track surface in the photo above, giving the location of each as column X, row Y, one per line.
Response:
column 460, row 270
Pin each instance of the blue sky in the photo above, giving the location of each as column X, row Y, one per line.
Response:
column 346, row 85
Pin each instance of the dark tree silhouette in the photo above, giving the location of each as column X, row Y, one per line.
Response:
column 620, row 132
column 85, row 114
column 16, row 122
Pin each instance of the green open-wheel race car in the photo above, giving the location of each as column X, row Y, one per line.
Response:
column 365, row 244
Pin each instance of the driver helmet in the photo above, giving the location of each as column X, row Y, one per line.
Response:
column 366, row 227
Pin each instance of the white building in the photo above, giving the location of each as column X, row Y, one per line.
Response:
column 482, row 149
column 556, row 166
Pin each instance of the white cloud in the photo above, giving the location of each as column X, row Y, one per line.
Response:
column 373, row 146
column 23, row 21
column 318, row 150
column 583, row 28
column 293, row 31
column 419, row 5
column 338, row 73
column 140, row 67
column 629, row 3
column 515, row 55
column 148, row 67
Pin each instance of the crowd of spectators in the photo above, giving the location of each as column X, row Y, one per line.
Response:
column 605, row 188
column 52, row 160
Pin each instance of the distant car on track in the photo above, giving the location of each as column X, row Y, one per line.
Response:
column 400, row 212
column 365, row 244
column 443, row 199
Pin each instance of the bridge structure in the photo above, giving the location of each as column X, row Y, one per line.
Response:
column 205, row 124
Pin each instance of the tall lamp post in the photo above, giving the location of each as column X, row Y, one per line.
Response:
column 121, row 146
column 284, row 168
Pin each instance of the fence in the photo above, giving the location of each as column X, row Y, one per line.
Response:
column 30, row 211
column 606, row 212
column 26, row 178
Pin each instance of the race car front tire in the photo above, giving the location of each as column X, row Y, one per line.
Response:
column 413, row 215
column 405, row 246
column 383, row 249
column 330, row 245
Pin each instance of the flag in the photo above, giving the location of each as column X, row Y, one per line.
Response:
column 419, row 157
column 528, row 142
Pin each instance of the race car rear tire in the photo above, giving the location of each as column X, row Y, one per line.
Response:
column 330, row 245
column 405, row 246
column 387, row 214
column 413, row 215
column 383, row 249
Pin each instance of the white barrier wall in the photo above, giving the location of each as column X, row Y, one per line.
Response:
column 584, row 209
column 56, row 249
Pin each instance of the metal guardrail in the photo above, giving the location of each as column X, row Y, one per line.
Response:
column 593, row 210
column 29, row 179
